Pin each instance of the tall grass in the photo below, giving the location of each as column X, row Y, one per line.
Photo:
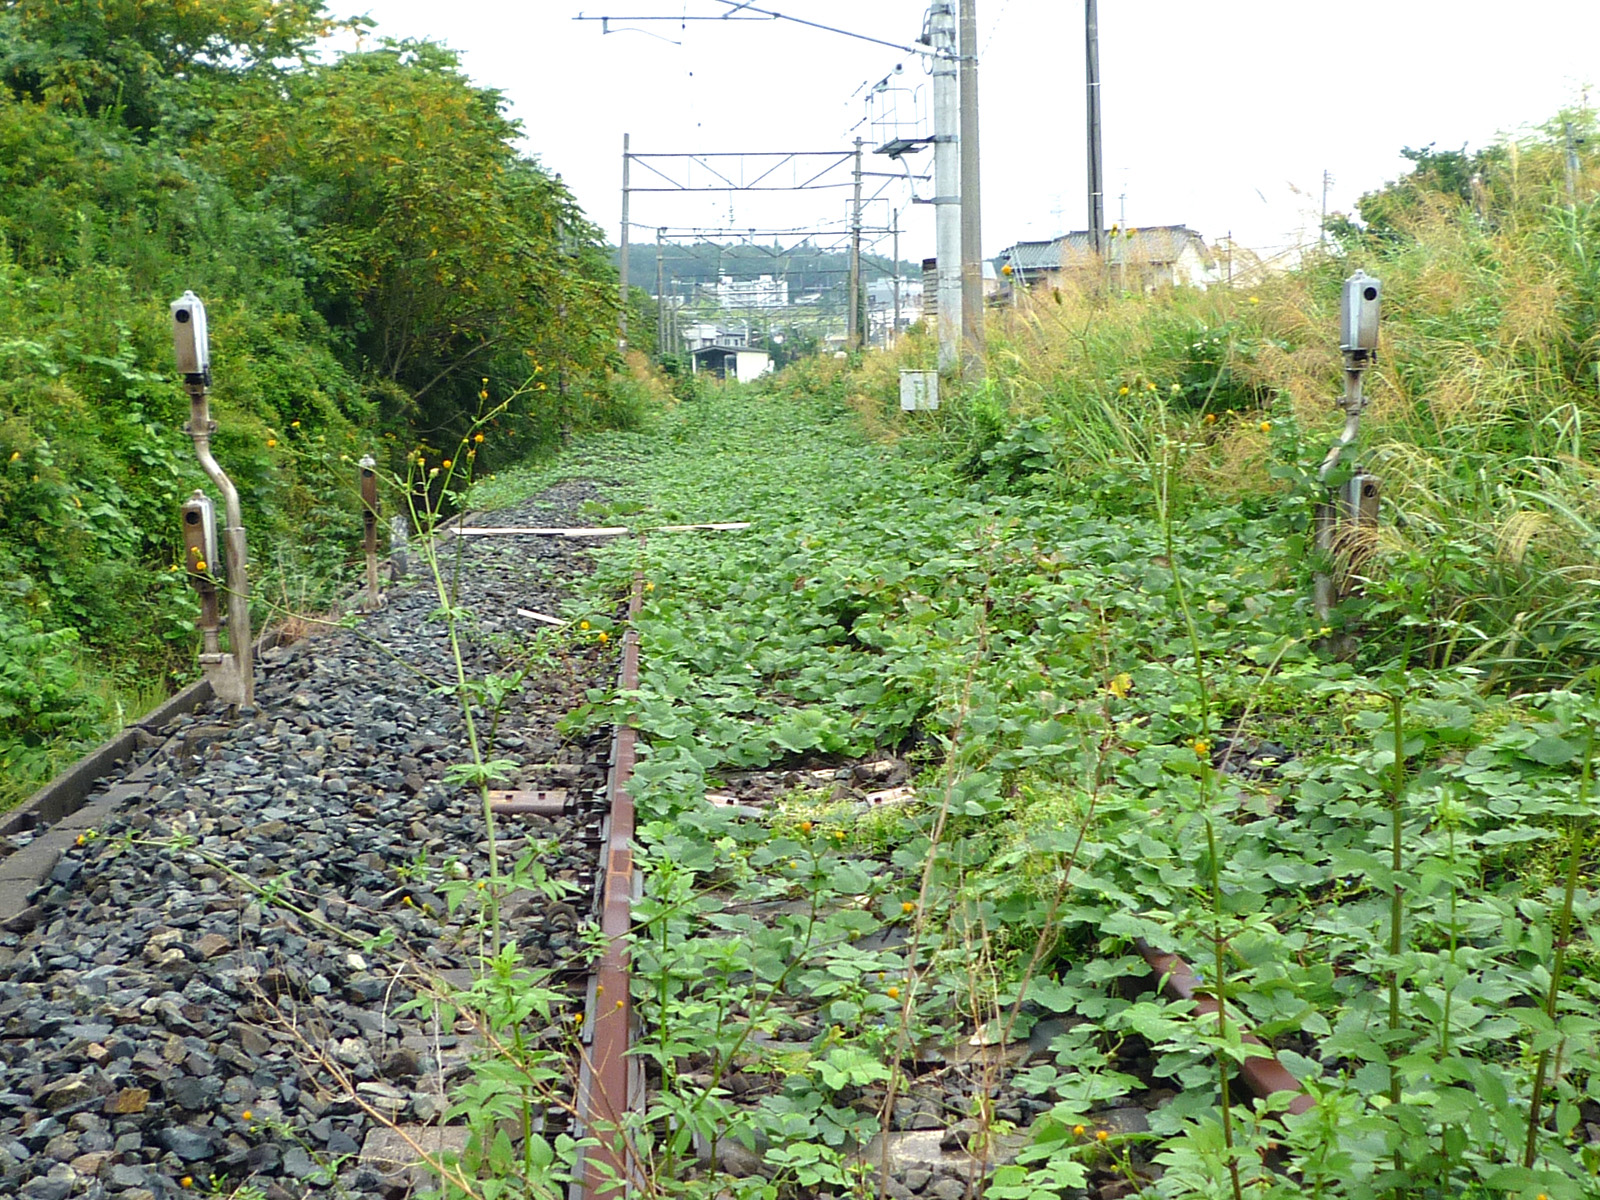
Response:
column 1484, row 410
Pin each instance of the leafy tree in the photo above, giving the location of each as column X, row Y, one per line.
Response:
column 138, row 59
column 447, row 257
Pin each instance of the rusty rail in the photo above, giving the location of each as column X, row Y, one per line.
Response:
column 1264, row 1073
column 610, row 1084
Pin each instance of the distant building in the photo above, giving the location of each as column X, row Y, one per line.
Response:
column 930, row 285
column 724, row 352
column 1143, row 259
column 761, row 292
column 881, row 307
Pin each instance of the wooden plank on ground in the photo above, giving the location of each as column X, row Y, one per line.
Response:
column 591, row 530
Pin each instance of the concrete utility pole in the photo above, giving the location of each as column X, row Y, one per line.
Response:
column 971, row 206
column 853, row 341
column 894, row 333
column 947, row 181
column 661, row 302
column 1097, row 187
column 622, row 259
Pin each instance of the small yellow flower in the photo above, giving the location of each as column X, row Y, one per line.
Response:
column 483, row 395
column 1078, row 1131
column 602, row 638
column 1255, row 300
column 187, row 1181
column 445, row 464
column 838, row 835
column 200, row 565
column 650, row 587
column 1266, row 427
column 16, row 454
column 1122, row 391
column 1149, row 387
column 174, row 567
column 1200, row 746
column 294, row 424
column 247, row 1115
column 908, row 907
column 805, row 826
column 893, row 993
column 82, row 840
column 1120, row 685
column 1211, row 418
column 478, row 437
column 272, row 443
column 793, row 865
column 1101, row 1135
column 583, row 625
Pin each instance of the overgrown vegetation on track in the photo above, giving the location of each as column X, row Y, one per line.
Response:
column 1124, row 731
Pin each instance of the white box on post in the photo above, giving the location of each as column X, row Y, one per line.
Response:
column 919, row 391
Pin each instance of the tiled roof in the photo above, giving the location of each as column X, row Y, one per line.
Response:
column 1149, row 244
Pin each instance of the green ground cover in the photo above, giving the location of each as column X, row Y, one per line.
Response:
column 1067, row 667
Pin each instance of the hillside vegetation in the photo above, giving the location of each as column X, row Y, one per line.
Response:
column 379, row 264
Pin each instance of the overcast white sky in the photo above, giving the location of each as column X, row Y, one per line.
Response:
column 1222, row 116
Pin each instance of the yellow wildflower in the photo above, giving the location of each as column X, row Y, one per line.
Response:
column 1266, row 427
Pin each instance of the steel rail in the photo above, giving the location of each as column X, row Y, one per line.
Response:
column 610, row 1083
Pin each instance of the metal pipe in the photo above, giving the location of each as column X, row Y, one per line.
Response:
column 369, row 521
column 236, row 685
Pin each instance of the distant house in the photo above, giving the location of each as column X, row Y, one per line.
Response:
column 725, row 353
column 1144, row 259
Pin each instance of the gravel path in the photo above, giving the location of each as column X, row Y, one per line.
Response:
column 160, row 1018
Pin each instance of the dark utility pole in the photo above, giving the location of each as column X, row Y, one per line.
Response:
column 622, row 257
column 971, row 206
column 1097, row 188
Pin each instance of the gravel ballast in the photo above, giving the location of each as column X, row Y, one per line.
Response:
column 163, row 1019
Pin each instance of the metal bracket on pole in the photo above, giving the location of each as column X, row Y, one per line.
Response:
column 369, row 520
column 1347, row 519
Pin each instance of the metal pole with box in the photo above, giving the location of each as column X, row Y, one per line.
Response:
column 232, row 675
column 1346, row 521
